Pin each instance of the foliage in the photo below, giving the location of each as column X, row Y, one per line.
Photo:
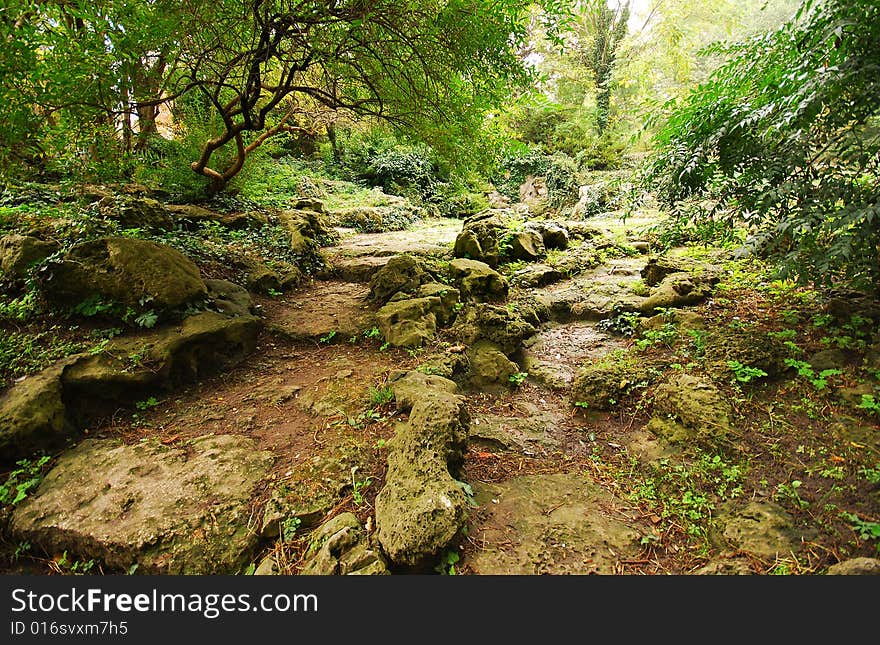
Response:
column 84, row 82
column 745, row 373
column 783, row 139
column 26, row 353
column 24, row 478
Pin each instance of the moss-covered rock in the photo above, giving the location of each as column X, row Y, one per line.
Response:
column 161, row 359
column 498, row 325
column 33, row 417
column 409, row 323
column 526, row 245
column 168, row 510
column 229, row 298
column 480, row 237
column 763, row 529
column 308, row 230
column 488, row 366
column 477, row 281
column 261, row 279
column 553, row 234
column 422, row 508
column 600, row 385
column 131, row 272
column 18, row 253
column 658, row 268
column 750, row 348
column 340, row 546
column 676, row 290
column 445, row 312
column 137, row 212
column 189, row 215
column 402, row 273
column 689, row 408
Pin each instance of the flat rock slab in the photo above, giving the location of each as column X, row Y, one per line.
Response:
column 527, row 435
column 595, row 295
column 561, row 524
column 429, row 237
column 555, row 354
column 321, row 308
column 169, row 510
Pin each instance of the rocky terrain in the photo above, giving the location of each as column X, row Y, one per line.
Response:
column 501, row 394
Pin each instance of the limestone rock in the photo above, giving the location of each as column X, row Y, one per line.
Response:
column 163, row 358
column 124, row 270
column 193, row 214
column 764, row 529
column 401, row 273
column 169, row 510
column 422, row 507
column 341, row 547
column 33, row 416
column 18, row 253
column 411, row 386
column 855, row 567
column 137, row 212
column 662, row 266
column 477, row 281
column 676, row 290
column 489, row 366
column 445, row 312
column 527, row 245
column 498, row 325
column 409, row 323
column 700, row 410
column 553, row 234
column 229, row 298
column 601, row 385
column 555, row 524
column 480, row 236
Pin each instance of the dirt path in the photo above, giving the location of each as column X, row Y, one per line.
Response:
column 312, row 393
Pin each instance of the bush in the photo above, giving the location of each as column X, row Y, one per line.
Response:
column 783, row 137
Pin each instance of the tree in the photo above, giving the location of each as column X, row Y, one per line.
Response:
column 600, row 31
column 784, row 138
column 430, row 66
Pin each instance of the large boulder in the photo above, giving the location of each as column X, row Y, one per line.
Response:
column 162, row 359
column 526, row 245
column 160, row 509
column 33, row 416
column 18, row 253
column 480, row 237
column 689, row 407
column 422, row 508
column 478, row 281
column 409, row 323
column 130, row 272
column 402, row 273
column 498, row 325
column 137, row 212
